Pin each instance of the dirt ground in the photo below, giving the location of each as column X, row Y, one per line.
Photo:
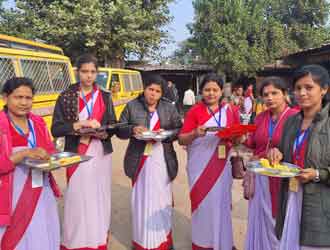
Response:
column 121, row 192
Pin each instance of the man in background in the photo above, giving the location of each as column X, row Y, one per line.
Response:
column 188, row 99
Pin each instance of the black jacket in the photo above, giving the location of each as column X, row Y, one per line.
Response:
column 136, row 113
column 66, row 113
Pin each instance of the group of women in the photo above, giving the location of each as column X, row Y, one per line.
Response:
column 284, row 214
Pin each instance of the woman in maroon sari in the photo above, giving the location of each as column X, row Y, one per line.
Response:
column 262, row 191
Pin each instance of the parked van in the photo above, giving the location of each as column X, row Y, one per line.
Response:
column 50, row 71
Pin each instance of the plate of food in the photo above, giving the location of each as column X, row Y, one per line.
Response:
column 155, row 135
column 213, row 129
column 90, row 131
column 57, row 160
column 283, row 169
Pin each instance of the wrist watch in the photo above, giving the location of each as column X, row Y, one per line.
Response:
column 317, row 176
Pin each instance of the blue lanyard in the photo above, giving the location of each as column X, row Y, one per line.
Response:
column 89, row 109
column 32, row 143
column 271, row 128
column 213, row 114
column 151, row 114
column 299, row 141
column 273, row 124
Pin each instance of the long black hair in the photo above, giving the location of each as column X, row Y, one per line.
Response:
column 16, row 82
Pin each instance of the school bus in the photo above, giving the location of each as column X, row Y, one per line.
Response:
column 124, row 85
column 50, row 71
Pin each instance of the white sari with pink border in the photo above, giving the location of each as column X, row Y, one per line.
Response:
column 152, row 199
column 210, row 181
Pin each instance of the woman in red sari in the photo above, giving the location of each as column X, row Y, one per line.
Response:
column 87, row 205
column 262, row 191
column 209, row 167
column 28, row 209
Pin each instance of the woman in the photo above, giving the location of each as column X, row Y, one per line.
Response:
column 28, row 209
column 264, row 190
column 152, row 166
column 209, row 168
column 87, row 204
column 303, row 220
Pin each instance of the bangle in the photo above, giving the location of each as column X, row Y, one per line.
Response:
column 317, row 176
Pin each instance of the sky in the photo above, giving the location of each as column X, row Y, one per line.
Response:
column 182, row 12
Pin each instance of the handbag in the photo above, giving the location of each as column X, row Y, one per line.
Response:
column 249, row 185
column 238, row 169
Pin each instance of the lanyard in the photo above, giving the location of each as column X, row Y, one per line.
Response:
column 271, row 128
column 89, row 108
column 213, row 114
column 31, row 141
column 299, row 141
column 273, row 124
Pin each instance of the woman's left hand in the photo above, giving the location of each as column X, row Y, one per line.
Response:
column 239, row 140
column 101, row 135
column 306, row 175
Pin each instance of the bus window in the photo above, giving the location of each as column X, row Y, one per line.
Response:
column 115, row 84
column 7, row 70
column 38, row 72
column 102, row 79
column 127, row 82
column 59, row 75
column 47, row 76
column 137, row 82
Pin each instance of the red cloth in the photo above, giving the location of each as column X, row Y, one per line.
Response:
column 259, row 142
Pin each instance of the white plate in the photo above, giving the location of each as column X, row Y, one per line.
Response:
column 256, row 167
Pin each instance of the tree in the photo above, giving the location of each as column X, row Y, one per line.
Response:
column 240, row 36
column 111, row 29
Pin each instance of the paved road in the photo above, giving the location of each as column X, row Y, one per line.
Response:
column 121, row 192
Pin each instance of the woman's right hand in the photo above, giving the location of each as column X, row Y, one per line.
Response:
column 138, row 130
column 35, row 153
column 200, row 131
column 274, row 156
column 86, row 124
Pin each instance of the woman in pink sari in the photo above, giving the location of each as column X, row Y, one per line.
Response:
column 28, row 209
column 87, row 205
column 262, row 191
column 209, row 168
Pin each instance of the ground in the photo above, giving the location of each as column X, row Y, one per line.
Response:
column 121, row 192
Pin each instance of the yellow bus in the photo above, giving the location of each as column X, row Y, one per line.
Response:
column 50, row 71
column 124, row 84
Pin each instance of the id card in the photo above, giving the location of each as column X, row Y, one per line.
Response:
column 222, row 152
column 293, row 185
column 37, row 178
column 148, row 149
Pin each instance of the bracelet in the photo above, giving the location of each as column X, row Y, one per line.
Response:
column 317, row 177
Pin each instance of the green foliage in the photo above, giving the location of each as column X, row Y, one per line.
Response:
column 112, row 29
column 240, row 36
